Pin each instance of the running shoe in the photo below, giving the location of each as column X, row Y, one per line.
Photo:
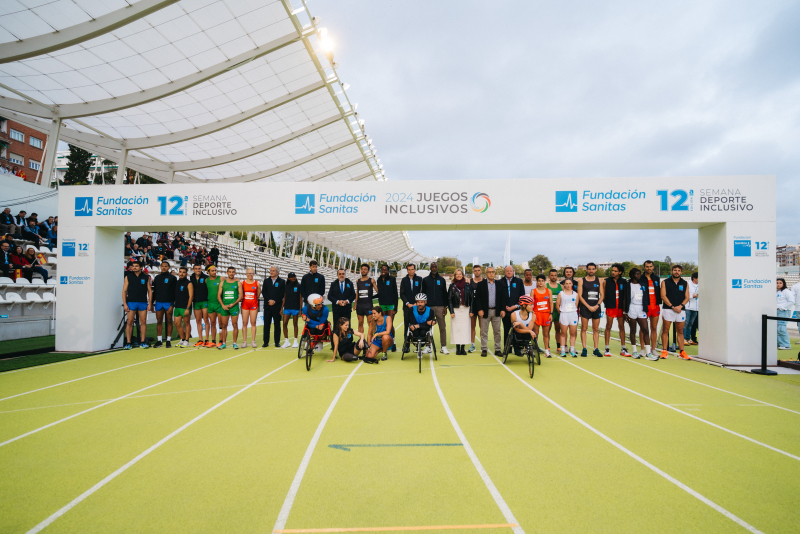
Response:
column 426, row 350
column 664, row 355
column 471, row 348
column 235, row 346
column 584, row 353
column 295, row 344
column 573, row 354
column 318, row 347
column 393, row 349
column 784, row 348
column 168, row 344
column 608, row 353
column 684, row 355
column 596, row 352
column 127, row 346
column 384, row 357
column 653, row 357
column 445, row 351
column 635, row 354
column 157, row 344
column 221, row 346
column 200, row 343
column 210, row 344
column 624, row 352
column 253, row 344
column 563, row 354
column 144, row 345
column 185, row 343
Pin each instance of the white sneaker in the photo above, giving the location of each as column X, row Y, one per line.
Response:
column 253, row 344
column 295, row 344
column 426, row 350
column 318, row 347
column 635, row 354
column 471, row 348
column 445, row 351
column 286, row 343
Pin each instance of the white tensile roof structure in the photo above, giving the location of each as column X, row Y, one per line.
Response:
column 190, row 91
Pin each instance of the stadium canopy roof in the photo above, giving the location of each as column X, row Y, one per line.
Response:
column 186, row 91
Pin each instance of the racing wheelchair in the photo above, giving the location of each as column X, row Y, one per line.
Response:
column 309, row 340
column 418, row 341
column 527, row 345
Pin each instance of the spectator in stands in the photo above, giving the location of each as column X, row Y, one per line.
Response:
column 7, row 224
column 6, row 265
column 128, row 250
column 135, row 252
column 128, row 238
column 312, row 282
column 47, row 225
column 214, row 254
column 31, row 233
column 52, row 237
column 33, row 261
column 142, row 241
column 34, row 217
column 201, row 256
column 21, row 221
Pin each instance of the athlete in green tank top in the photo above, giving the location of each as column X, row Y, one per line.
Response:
column 230, row 294
column 213, row 288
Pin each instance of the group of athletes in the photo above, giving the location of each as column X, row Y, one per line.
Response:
column 535, row 306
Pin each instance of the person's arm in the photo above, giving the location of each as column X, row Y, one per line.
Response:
column 191, row 295
column 219, row 295
column 550, row 299
column 451, row 293
column 125, row 294
column 335, row 347
column 602, row 293
column 579, row 290
column 558, row 301
column 150, row 293
column 664, row 298
column 686, row 296
column 241, row 294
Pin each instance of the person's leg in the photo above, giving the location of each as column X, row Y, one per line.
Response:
column 159, row 327
column 143, row 325
column 223, row 328
column 607, row 333
column 360, row 323
column 665, row 328
column 632, row 326
column 506, row 327
column 198, row 320
column 42, row 271
column 178, row 319
column 129, row 326
column 691, row 315
column 473, row 321
column 245, row 324
column 170, row 315
column 696, row 325
column 645, row 332
column 621, row 326
column 679, row 327
column 562, row 337
column 275, row 317
column 484, row 335
column 596, row 332
column 783, row 334
column 213, row 318
column 235, row 319
column 584, row 328
column 653, row 329
column 267, row 324
column 497, row 327
column 294, row 321
column 285, row 327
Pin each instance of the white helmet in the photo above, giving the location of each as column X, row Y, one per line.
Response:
column 314, row 299
column 421, row 296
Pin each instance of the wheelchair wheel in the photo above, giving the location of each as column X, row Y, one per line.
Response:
column 536, row 352
column 419, row 356
column 304, row 340
column 309, row 353
column 433, row 344
column 405, row 349
column 507, row 348
column 530, row 352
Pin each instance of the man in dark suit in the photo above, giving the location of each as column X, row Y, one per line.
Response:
column 341, row 294
column 273, row 290
column 485, row 307
column 509, row 290
column 410, row 287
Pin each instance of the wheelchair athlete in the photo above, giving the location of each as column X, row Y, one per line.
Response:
column 422, row 320
column 522, row 323
column 316, row 317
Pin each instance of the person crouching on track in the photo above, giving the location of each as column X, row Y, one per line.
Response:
column 230, row 294
column 184, row 293
column 567, row 304
column 522, row 320
column 316, row 317
column 347, row 343
column 380, row 334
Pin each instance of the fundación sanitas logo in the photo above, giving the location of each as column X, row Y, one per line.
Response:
column 480, row 202
column 736, row 283
column 566, row 201
column 83, row 206
column 304, row 204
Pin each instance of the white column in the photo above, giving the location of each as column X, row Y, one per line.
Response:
column 735, row 291
column 305, row 246
column 283, row 240
column 50, row 152
column 294, row 244
column 121, row 166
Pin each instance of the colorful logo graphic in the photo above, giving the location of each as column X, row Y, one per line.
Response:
column 304, row 204
column 480, row 202
column 566, row 201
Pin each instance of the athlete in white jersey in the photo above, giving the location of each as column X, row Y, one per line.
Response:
column 567, row 303
column 633, row 302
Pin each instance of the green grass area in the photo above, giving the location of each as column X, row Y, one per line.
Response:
column 31, row 343
column 206, row 440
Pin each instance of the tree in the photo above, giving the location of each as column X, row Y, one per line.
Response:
column 79, row 163
column 540, row 264
column 448, row 261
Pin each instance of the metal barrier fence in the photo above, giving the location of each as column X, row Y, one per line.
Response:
column 764, row 318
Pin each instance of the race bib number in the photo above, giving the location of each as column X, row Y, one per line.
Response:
column 594, row 295
column 363, row 293
column 542, row 306
column 637, row 298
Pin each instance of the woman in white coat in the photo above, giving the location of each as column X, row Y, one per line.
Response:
column 459, row 303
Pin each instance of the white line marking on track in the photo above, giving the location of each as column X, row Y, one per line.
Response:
column 729, row 431
column 96, row 374
column 12, row 440
column 283, row 515
column 498, row 499
column 638, row 458
column 115, row 474
column 709, row 386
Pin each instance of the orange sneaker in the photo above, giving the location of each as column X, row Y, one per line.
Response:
column 664, row 355
column 684, row 355
column 200, row 343
column 210, row 344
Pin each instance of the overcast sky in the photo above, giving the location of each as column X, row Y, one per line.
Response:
column 529, row 89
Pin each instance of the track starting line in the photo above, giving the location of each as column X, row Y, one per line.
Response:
column 392, row 529
column 347, row 447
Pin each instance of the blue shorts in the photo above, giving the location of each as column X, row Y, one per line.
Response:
column 137, row 306
column 378, row 342
column 291, row 312
column 162, row 306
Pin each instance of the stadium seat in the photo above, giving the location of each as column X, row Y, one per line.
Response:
column 5, row 284
column 34, row 305
column 10, row 307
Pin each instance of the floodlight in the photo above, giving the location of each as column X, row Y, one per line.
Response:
column 322, row 32
column 345, row 86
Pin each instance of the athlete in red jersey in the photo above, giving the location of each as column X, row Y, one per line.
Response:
column 543, row 309
column 250, row 305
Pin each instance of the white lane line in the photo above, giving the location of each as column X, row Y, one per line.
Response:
column 12, row 440
column 636, row 457
column 729, row 431
column 115, row 474
column 709, row 386
column 498, row 499
column 96, row 374
column 283, row 515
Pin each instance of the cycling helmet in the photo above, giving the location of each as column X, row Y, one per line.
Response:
column 421, row 296
column 314, row 299
column 525, row 299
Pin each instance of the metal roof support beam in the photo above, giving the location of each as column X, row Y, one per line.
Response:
column 122, row 166
column 323, row 174
column 107, row 105
column 79, row 33
column 50, row 152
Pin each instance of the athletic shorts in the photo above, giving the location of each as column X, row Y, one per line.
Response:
column 614, row 312
column 542, row 318
column 387, row 307
column 137, row 306
column 179, row 312
column 653, row 310
column 587, row 314
column 365, row 310
column 672, row 317
column 200, row 305
column 249, row 305
column 162, row 306
column 637, row 312
column 214, row 307
column 287, row 311
column 232, row 312
column 568, row 318
column 556, row 315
